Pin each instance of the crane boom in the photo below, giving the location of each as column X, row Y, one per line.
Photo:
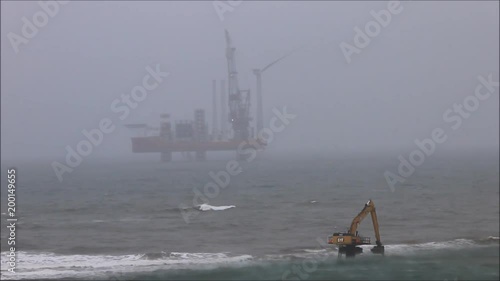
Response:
column 239, row 100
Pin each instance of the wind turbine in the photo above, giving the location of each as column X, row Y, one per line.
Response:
column 258, row 75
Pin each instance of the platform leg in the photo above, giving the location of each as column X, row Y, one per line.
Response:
column 201, row 155
column 242, row 156
column 166, row 156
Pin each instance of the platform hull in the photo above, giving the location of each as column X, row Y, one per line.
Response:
column 159, row 144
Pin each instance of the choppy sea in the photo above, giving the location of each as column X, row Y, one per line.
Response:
column 147, row 221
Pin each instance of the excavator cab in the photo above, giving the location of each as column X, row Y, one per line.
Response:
column 348, row 241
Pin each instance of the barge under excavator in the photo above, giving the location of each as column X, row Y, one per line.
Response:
column 349, row 241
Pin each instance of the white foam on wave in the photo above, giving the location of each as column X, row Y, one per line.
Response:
column 128, row 219
column 399, row 249
column 303, row 254
column 32, row 265
column 390, row 249
column 206, row 207
column 315, row 251
column 51, row 266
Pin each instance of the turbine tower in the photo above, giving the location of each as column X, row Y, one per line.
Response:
column 258, row 76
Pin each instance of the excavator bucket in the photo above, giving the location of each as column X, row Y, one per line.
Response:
column 378, row 250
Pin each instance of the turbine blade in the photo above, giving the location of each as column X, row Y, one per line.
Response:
column 272, row 63
column 282, row 57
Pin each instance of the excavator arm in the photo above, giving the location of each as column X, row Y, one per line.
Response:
column 375, row 226
column 369, row 208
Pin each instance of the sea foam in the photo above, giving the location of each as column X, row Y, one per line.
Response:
column 44, row 265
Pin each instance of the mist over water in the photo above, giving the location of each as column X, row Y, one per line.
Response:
column 410, row 120
column 394, row 91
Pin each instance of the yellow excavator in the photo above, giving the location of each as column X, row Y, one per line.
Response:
column 348, row 241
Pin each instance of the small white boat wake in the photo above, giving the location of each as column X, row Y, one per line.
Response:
column 206, row 207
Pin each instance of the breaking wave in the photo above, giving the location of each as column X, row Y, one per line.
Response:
column 43, row 265
column 390, row 249
column 31, row 265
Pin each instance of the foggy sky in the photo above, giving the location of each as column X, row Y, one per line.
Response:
column 395, row 91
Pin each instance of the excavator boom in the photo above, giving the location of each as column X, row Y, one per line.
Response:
column 357, row 220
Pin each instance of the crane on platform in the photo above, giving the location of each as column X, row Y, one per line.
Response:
column 187, row 136
column 239, row 100
column 348, row 241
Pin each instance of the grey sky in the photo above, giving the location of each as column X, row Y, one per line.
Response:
column 394, row 91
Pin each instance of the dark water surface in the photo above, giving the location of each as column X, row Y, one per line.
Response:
column 122, row 220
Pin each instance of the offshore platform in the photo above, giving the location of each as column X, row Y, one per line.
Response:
column 192, row 136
